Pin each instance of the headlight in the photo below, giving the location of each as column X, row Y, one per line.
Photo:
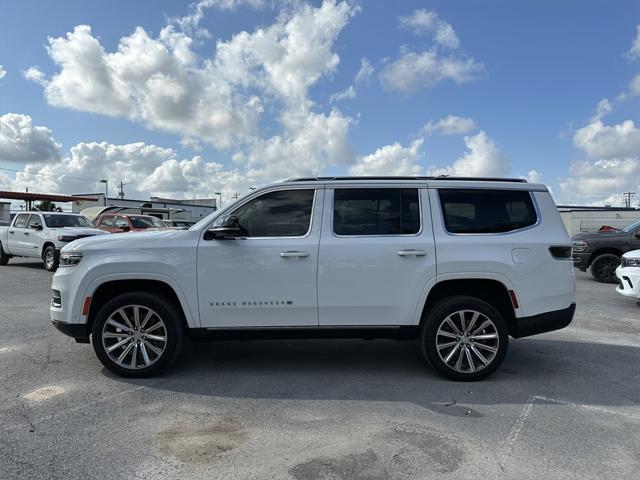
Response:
column 579, row 245
column 70, row 259
column 67, row 238
column 630, row 262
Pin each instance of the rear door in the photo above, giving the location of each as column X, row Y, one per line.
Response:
column 377, row 255
column 17, row 235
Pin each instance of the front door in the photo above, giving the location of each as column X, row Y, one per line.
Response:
column 266, row 275
column 18, row 235
column 377, row 255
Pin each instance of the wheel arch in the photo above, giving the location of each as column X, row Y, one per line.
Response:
column 604, row 250
column 45, row 245
column 491, row 290
column 110, row 288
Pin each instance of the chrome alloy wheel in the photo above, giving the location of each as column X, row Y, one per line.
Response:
column 467, row 341
column 134, row 337
column 49, row 259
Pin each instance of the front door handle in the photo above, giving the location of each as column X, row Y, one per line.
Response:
column 294, row 254
column 11, row 232
column 26, row 233
column 412, row 253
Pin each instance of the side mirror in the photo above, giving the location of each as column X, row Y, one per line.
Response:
column 36, row 227
column 229, row 228
column 638, row 234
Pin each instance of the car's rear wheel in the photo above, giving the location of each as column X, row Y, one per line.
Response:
column 464, row 338
column 137, row 334
column 603, row 268
column 51, row 258
column 4, row 258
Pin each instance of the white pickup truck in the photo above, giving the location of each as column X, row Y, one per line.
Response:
column 42, row 235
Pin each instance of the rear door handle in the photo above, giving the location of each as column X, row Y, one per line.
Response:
column 412, row 253
column 11, row 232
column 26, row 233
column 294, row 254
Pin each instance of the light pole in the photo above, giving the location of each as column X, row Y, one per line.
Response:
column 106, row 190
column 220, row 196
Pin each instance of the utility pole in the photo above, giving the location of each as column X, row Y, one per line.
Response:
column 627, row 198
column 121, row 193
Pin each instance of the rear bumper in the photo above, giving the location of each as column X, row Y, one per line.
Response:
column 544, row 322
column 79, row 331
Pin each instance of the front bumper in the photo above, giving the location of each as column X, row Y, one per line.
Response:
column 79, row 331
column 581, row 260
column 544, row 322
column 629, row 281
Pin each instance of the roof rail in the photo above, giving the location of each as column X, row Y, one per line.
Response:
column 416, row 177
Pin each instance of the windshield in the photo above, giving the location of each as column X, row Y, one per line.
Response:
column 146, row 222
column 60, row 221
column 632, row 227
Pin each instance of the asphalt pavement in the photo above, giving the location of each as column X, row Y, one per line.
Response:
column 563, row 405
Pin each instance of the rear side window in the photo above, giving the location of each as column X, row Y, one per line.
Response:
column 21, row 220
column 486, row 211
column 376, row 211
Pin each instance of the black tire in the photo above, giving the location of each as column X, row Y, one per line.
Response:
column 172, row 330
column 603, row 268
column 430, row 338
column 51, row 258
column 4, row 258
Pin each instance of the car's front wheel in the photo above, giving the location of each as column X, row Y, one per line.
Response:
column 603, row 268
column 137, row 334
column 464, row 338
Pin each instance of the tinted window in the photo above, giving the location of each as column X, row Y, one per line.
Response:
column 146, row 222
column 376, row 211
column 121, row 223
column 21, row 220
column 60, row 221
column 107, row 222
column 486, row 211
column 285, row 213
column 35, row 221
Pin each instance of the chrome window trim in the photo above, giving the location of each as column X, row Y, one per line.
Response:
column 391, row 187
column 510, row 232
column 266, row 192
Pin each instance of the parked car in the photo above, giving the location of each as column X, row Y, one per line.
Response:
column 118, row 223
column 459, row 264
column 179, row 224
column 42, row 234
column 628, row 274
column 600, row 252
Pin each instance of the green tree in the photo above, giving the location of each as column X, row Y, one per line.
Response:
column 47, row 206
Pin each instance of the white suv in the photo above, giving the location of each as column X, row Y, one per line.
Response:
column 460, row 264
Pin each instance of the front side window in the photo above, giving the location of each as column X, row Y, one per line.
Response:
column 283, row 213
column 107, row 222
column 486, row 211
column 60, row 221
column 22, row 220
column 376, row 211
column 121, row 223
column 146, row 222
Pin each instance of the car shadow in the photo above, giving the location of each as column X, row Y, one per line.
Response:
column 387, row 370
column 36, row 264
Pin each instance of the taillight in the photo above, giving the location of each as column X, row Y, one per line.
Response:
column 560, row 253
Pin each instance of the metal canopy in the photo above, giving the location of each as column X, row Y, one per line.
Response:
column 31, row 197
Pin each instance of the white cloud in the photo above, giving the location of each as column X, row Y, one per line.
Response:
column 534, row 176
column 35, row 75
column 450, row 125
column 424, row 21
column 611, row 166
column 192, row 144
column 364, row 72
column 482, row 159
column 603, row 141
column 634, row 51
column 3, row 72
column 391, row 160
column 603, row 109
column 23, row 142
column 364, row 75
column 413, row 71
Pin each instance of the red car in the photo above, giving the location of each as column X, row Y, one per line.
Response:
column 117, row 223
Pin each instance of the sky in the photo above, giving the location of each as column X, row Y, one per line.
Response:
column 186, row 99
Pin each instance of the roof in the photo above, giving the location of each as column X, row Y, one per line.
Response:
column 30, row 196
column 416, row 177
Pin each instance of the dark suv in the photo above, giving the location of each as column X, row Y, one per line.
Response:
column 601, row 251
